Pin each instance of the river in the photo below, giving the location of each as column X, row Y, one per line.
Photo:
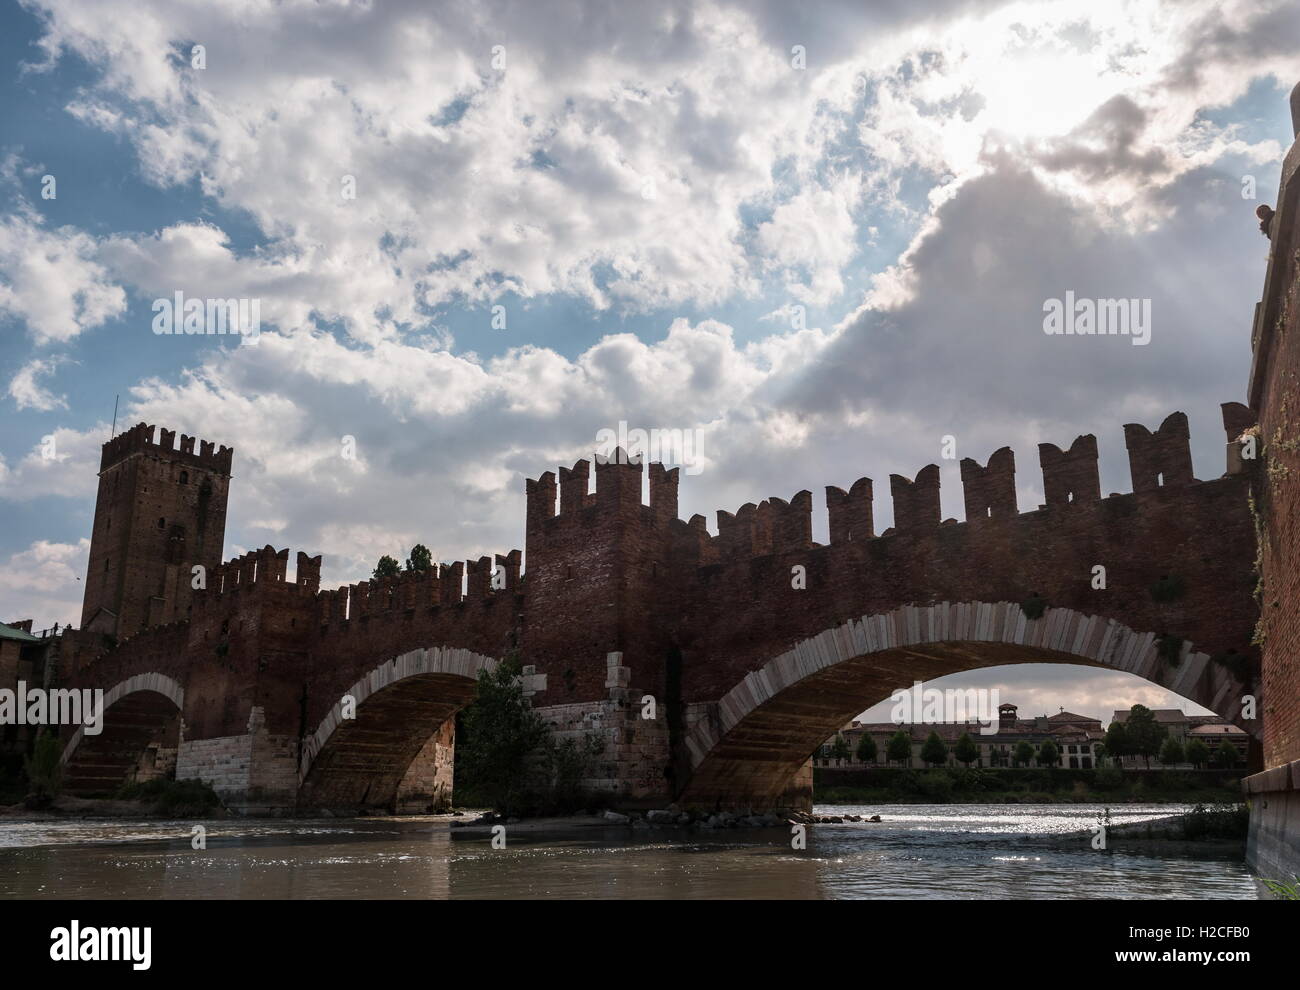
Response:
column 916, row 851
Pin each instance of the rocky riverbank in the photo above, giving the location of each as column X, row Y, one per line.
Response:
column 671, row 817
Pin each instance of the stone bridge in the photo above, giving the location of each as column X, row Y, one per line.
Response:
column 755, row 642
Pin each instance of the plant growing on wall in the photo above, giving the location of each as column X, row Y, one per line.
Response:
column 1169, row 588
column 44, row 770
column 1168, row 649
column 1034, row 606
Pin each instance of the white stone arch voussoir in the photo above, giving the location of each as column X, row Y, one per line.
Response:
column 438, row 660
column 158, row 683
column 1108, row 642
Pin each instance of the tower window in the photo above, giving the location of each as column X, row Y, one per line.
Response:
column 162, row 523
column 185, row 477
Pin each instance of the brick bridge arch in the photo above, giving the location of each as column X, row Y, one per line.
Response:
column 139, row 712
column 400, row 707
column 751, row 747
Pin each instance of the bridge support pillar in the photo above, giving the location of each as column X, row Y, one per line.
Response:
column 426, row 788
column 1272, row 849
column 254, row 774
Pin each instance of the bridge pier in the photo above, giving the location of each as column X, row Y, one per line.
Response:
column 1272, row 847
column 255, row 773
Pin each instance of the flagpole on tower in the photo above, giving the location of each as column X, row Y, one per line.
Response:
column 114, row 431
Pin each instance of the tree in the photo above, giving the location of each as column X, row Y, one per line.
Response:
column 387, row 567
column 420, row 560
column 1145, row 736
column 1048, row 754
column 1171, row 752
column 866, row 749
column 44, row 769
column 1024, row 754
column 1117, row 745
column 899, row 748
column 1197, row 754
column 966, row 751
column 501, row 737
column 840, row 749
column 934, row 752
column 1226, row 754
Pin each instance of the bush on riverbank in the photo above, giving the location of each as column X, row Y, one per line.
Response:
column 1022, row 786
column 507, row 760
column 1226, row 821
column 172, row 798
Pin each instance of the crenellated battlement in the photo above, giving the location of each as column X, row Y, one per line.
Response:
column 1159, row 459
column 1162, row 459
column 772, row 526
column 916, row 502
column 990, row 491
column 265, row 566
column 1070, row 475
column 443, row 584
column 139, row 439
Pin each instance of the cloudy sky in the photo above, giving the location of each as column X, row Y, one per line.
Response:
column 822, row 238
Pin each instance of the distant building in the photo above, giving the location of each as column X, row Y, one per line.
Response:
column 1210, row 729
column 1076, row 738
column 22, row 658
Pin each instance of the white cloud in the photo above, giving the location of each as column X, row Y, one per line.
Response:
column 51, row 281
column 44, row 583
column 64, row 462
column 28, row 393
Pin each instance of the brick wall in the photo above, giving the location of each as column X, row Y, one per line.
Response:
column 1275, row 393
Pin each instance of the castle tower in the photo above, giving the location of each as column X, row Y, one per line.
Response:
column 160, row 510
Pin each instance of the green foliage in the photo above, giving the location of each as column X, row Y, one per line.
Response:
column 934, row 752
column 1172, row 752
column 1225, row 754
column 1224, row 821
column 1034, row 606
column 966, row 751
column 43, row 769
column 899, row 748
column 1048, row 754
column 1197, row 753
column 937, row 784
column 1168, row 649
column 173, row 798
column 867, row 749
column 840, row 748
column 387, row 567
column 1283, row 890
column 1024, row 754
column 420, row 560
column 1236, row 664
column 1108, row 779
column 1117, row 742
column 1145, row 736
column 564, row 764
column 501, row 737
column 1169, row 588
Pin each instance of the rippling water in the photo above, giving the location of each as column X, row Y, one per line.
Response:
column 917, row 851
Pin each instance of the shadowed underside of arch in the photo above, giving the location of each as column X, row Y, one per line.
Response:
column 767, row 726
column 140, row 714
column 360, row 761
